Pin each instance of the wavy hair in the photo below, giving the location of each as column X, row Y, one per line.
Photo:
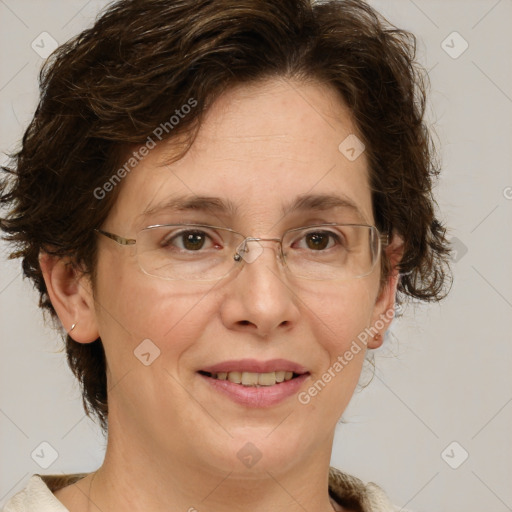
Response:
column 106, row 90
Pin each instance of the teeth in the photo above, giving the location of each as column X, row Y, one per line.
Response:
column 266, row 379
column 235, row 377
column 249, row 379
column 254, row 379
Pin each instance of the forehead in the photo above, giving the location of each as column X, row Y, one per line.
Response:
column 261, row 151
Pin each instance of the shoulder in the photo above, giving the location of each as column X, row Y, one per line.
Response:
column 347, row 490
column 354, row 495
column 38, row 494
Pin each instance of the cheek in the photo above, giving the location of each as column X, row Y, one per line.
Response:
column 341, row 313
column 341, row 317
column 133, row 307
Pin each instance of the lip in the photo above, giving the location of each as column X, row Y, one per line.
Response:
column 256, row 397
column 255, row 366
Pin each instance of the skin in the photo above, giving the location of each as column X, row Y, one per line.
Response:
column 173, row 442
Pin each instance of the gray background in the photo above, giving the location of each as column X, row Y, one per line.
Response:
column 443, row 375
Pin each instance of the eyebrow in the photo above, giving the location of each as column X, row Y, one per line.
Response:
column 226, row 207
column 320, row 202
column 194, row 203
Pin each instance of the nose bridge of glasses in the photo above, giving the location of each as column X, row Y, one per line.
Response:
column 252, row 253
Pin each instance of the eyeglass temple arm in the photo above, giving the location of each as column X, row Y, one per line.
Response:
column 119, row 239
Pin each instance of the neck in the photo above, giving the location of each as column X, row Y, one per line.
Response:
column 136, row 477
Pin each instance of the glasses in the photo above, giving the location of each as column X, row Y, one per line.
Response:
column 198, row 252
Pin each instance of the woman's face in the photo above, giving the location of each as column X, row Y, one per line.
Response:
column 260, row 148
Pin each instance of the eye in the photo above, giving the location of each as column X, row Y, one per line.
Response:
column 188, row 240
column 320, row 240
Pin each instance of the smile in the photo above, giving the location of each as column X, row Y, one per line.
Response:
column 255, row 384
column 252, row 378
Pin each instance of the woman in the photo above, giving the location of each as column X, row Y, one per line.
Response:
column 214, row 199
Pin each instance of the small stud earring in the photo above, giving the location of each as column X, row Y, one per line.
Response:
column 378, row 337
column 72, row 327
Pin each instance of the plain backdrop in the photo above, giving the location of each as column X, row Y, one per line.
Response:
column 433, row 427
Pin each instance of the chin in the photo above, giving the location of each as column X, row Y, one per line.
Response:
column 256, row 452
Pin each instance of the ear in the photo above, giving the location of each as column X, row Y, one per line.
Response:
column 71, row 295
column 383, row 311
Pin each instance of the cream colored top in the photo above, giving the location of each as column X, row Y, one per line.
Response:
column 345, row 490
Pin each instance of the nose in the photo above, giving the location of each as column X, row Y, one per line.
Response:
column 260, row 299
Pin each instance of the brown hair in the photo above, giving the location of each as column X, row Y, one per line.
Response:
column 107, row 90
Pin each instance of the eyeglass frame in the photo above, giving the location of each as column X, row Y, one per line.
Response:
column 383, row 240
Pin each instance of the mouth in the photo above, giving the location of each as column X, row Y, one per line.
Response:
column 256, row 384
column 253, row 379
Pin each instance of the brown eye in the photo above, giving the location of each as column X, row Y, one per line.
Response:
column 320, row 240
column 189, row 240
column 193, row 240
column 317, row 241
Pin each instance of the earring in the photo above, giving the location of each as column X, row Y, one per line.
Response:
column 72, row 327
column 378, row 337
